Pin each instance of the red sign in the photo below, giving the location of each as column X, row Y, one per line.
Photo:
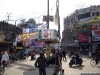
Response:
column 83, row 38
column 94, row 27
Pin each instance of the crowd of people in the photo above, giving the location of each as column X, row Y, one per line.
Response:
column 41, row 61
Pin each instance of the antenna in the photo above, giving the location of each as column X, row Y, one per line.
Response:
column 8, row 17
column 81, row 5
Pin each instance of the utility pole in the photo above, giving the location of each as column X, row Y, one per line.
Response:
column 57, row 9
column 48, row 14
column 8, row 17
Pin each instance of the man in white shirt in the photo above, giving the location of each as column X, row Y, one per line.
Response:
column 5, row 58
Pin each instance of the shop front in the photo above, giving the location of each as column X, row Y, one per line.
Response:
column 84, row 40
column 96, row 36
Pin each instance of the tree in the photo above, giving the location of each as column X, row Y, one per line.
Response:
column 27, row 24
column 31, row 23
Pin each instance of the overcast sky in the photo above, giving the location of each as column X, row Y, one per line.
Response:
column 35, row 8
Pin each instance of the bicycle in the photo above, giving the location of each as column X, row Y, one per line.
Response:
column 89, row 55
column 2, row 69
column 93, row 62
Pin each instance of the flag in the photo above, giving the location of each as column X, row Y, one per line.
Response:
column 57, row 14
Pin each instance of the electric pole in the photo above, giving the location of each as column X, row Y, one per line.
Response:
column 47, row 14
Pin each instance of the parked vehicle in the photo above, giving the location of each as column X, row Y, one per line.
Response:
column 51, row 61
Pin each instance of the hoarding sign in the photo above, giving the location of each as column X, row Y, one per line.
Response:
column 48, row 34
column 95, row 35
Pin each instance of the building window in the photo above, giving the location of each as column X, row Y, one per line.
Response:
column 71, row 20
column 92, row 14
column 85, row 15
column 97, row 13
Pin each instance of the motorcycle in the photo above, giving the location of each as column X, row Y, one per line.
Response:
column 73, row 61
column 51, row 61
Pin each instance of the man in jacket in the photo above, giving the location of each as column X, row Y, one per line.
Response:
column 41, row 64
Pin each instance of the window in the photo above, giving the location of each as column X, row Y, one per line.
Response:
column 82, row 16
column 71, row 20
column 92, row 14
column 97, row 13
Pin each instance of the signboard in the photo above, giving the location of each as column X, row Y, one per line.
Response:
column 45, row 18
column 95, row 35
column 83, row 38
column 48, row 34
column 94, row 27
column 30, row 30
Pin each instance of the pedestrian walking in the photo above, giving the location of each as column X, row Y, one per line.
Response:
column 64, row 54
column 58, row 64
column 41, row 64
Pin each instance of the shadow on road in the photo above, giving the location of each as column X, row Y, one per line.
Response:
column 49, row 71
column 25, row 66
column 78, row 67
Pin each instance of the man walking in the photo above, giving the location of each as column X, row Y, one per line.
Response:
column 41, row 64
column 57, row 63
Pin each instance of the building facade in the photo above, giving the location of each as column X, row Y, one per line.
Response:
column 8, row 34
column 77, row 37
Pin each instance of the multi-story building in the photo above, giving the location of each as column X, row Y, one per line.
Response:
column 70, row 36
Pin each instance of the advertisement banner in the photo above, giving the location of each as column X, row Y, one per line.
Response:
column 30, row 30
column 95, row 35
column 48, row 34
column 83, row 38
column 36, row 43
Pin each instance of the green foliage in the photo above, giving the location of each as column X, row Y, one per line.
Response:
column 86, row 26
column 96, row 19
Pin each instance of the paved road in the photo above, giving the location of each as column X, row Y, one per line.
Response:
column 27, row 68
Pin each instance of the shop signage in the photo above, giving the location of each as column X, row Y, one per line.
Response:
column 83, row 38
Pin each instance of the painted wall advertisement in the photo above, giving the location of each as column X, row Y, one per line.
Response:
column 47, row 34
column 30, row 39
column 95, row 35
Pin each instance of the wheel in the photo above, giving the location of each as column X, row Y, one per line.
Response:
column 80, row 64
column 99, row 64
column 70, row 64
column 2, row 70
column 92, row 62
column 8, row 64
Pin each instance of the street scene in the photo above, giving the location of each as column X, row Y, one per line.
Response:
column 49, row 37
column 27, row 68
